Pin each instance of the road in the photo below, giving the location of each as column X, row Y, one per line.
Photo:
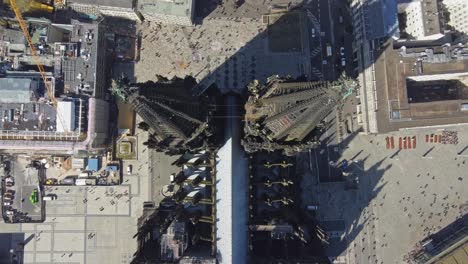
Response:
column 327, row 22
column 324, row 157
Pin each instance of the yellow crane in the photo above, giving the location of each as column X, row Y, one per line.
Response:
column 35, row 57
column 40, row 67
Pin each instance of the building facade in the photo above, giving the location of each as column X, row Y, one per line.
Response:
column 372, row 20
column 117, row 8
column 458, row 10
column 423, row 19
column 179, row 12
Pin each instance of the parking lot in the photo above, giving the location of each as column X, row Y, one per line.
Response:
column 22, row 198
column 87, row 224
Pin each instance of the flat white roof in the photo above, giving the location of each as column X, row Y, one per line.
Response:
column 65, row 116
column 232, row 199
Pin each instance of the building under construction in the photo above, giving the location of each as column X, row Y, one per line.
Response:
column 176, row 120
column 284, row 114
column 63, row 110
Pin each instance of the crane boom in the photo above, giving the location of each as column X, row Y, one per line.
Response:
column 38, row 63
column 36, row 60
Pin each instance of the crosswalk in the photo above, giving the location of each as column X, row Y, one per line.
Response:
column 317, row 73
column 314, row 20
column 316, row 51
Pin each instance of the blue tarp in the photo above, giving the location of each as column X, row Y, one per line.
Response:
column 93, row 164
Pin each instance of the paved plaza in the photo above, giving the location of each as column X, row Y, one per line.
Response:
column 227, row 51
column 89, row 224
column 402, row 196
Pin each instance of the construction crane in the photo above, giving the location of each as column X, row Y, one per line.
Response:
column 35, row 57
column 40, row 67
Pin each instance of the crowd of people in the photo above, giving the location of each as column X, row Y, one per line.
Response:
column 450, row 137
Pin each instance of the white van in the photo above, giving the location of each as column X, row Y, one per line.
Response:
column 49, row 197
column 83, row 175
column 85, row 181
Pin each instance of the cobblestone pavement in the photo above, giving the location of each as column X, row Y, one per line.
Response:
column 227, row 51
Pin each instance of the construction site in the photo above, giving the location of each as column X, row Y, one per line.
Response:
column 61, row 106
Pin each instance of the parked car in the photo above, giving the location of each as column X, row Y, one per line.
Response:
column 50, row 197
column 51, row 181
column 129, row 169
column 7, row 202
column 69, row 180
column 101, row 181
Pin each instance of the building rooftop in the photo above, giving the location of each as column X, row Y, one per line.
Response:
column 174, row 242
column 231, row 182
column 111, row 3
column 431, row 17
column 167, row 7
column 77, row 62
column 15, row 90
column 428, row 106
column 65, row 116
column 12, row 36
column 27, row 117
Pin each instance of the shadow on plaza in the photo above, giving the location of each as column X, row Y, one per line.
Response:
column 12, row 247
column 204, row 9
column 359, row 184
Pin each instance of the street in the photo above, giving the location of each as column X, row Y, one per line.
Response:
column 327, row 22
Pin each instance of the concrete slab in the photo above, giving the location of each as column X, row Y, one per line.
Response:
column 68, row 241
column 72, row 257
column 43, row 242
column 76, row 223
column 43, row 258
